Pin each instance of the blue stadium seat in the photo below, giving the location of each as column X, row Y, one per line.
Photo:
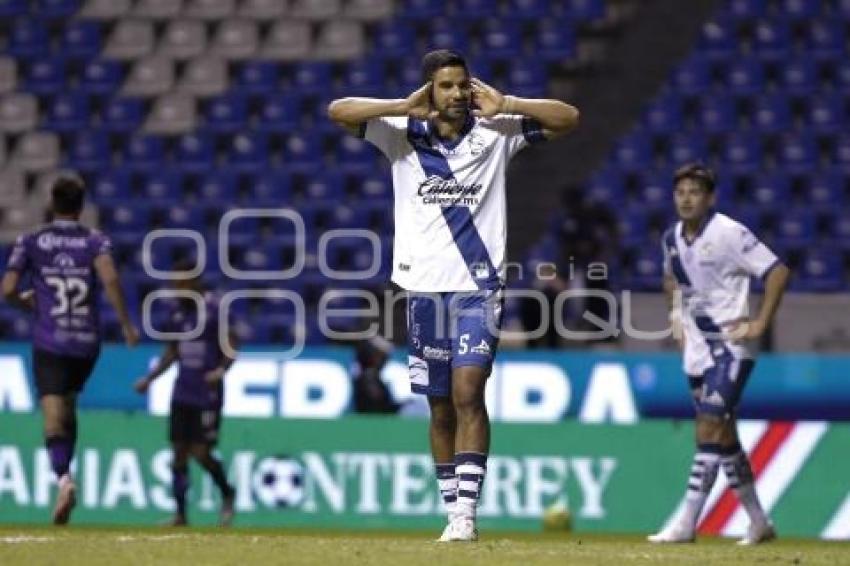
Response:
column 632, row 228
column 692, row 76
column 686, row 148
column 717, row 114
column 125, row 218
column 826, row 189
column 634, row 151
column 13, row 8
column 526, row 78
column 821, row 271
column 745, row 10
column 101, row 77
column 827, row 113
column 745, row 76
column 376, row 188
column 532, row 10
column 279, row 112
column 227, row 113
column 392, row 37
column 355, row 154
column 184, row 217
column 501, row 38
column 327, row 185
column 272, row 186
column 258, row 77
column 826, row 37
column 68, row 112
column 303, row 150
column 665, row 114
column 364, row 77
column 770, row 190
column 771, row 113
column 111, row 186
column 444, row 34
column 218, row 185
column 122, row 115
column 554, row 41
column 144, row 152
column 798, row 153
column 841, row 155
column 248, row 151
column 800, row 9
column 842, row 73
column 81, row 39
column 45, row 76
column 772, row 39
column 350, row 217
column 89, row 151
column 742, row 152
column 164, row 184
column 795, row 228
column 646, row 270
column 798, row 75
column 583, row 11
column 56, row 9
column 718, row 38
column 654, row 191
column 195, row 152
column 423, row 9
column 314, row 77
column 839, row 226
column 28, row 38
column 606, row 186
column 475, row 9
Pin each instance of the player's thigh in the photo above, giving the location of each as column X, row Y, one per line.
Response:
column 429, row 347
column 50, row 373
column 468, row 385
column 723, row 385
column 79, row 371
column 476, row 322
column 183, row 424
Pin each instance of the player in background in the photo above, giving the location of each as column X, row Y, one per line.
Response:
column 449, row 143
column 198, row 394
column 709, row 259
column 66, row 263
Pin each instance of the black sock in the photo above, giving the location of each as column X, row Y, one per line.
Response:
column 179, row 487
column 216, row 471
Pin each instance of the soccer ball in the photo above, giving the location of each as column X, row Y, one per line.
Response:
column 557, row 517
column 279, row 482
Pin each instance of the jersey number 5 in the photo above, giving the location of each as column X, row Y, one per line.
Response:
column 70, row 293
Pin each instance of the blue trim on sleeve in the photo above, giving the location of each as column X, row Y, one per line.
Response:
column 675, row 261
column 532, row 130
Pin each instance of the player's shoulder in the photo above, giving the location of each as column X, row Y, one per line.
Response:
column 500, row 122
column 669, row 235
column 727, row 227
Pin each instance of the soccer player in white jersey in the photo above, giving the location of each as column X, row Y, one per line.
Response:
column 449, row 143
column 709, row 260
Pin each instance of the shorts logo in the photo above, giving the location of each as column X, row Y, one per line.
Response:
column 714, row 399
column 439, row 354
column 482, row 348
column 403, row 267
column 418, row 369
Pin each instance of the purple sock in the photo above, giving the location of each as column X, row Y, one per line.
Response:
column 179, row 487
column 60, row 450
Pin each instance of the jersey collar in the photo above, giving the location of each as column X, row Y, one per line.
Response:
column 705, row 222
column 451, row 144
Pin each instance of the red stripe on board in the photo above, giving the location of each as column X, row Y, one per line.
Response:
column 763, row 452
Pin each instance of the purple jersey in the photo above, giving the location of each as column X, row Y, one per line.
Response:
column 60, row 259
column 197, row 357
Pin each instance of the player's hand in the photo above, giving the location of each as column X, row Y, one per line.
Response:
column 142, row 385
column 678, row 333
column 27, row 298
column 419, row 103
column 214, row 376
column 745, row 330
column 488, row 100
column 131, row 335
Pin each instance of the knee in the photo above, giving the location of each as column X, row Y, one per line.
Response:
column 710, row 429
column 469, row 403
column 443, row 416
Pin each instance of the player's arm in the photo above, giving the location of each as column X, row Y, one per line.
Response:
column 25, row 300
column 229, row 356
column 108, row 275
column 168, row 357
column 352, row 112
column 556, row 117
column 674, row 307
column 774, row 288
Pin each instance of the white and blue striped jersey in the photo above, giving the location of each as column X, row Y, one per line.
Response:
column 450, row 225
column 713, row 271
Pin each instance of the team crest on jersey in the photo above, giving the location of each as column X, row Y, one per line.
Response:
column 477, row 145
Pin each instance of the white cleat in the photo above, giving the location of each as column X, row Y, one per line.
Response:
column 460, row 529
column 673, row 534
column 758, row 533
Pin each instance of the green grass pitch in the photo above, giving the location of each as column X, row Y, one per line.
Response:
column 158, row 546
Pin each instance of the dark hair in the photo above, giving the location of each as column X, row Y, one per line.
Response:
column 696, row 172
column 433, row 61
column 68, row 194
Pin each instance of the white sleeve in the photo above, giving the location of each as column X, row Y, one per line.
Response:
column 749, row 253
column 519, row 131
column 665, row 265
column 387, row 134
